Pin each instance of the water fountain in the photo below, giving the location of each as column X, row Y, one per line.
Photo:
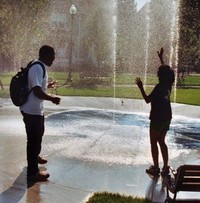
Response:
column 108, row 134
column 100, row 139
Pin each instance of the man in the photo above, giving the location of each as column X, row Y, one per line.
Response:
column 33, row 114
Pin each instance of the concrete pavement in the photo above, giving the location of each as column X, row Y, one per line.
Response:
column 74, row 179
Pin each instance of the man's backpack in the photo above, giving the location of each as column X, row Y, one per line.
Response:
column 19, row 91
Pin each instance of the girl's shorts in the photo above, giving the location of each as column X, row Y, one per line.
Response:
column 159, row 126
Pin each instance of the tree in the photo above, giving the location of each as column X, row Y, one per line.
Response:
column 162, row 16
column 126, row 35
column 97, row 34
column 189, row 45
column 23, row 27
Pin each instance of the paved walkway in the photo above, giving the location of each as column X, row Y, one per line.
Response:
column 73, row 180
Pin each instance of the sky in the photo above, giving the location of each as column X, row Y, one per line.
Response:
column 140, row 3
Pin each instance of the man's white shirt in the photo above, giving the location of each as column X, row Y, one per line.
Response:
column 34, row 105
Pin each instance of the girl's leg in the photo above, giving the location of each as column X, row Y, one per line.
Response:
column 154, row 147
column 164, row 149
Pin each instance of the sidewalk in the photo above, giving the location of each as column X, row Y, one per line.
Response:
column 73, row 180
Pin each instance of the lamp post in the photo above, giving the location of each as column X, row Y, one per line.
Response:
column 72, row 11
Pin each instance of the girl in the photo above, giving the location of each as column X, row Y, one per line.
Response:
column 160, row 115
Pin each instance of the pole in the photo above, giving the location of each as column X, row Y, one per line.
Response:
column 72, row 13
column 69, row 78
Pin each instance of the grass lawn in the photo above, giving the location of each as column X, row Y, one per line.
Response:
column 124, row 87
column 184, row 95
column 106, row 197
column 188, row 96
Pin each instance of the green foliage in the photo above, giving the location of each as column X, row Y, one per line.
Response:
column 161, row 14
column 22, row 25
column 106, row 197
column 97, row 34
column 189, row 41
column 127, row 36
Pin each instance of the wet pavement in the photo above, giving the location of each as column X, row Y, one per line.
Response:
column 90, row 148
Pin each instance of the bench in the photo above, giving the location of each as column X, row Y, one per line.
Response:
column 185, row 179
column 95, row 78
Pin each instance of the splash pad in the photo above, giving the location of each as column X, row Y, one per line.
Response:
column 86, row 140
column 115, row 137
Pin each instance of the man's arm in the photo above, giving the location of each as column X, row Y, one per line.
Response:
column 37, row 90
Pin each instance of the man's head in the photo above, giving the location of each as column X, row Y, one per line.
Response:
column 47, row 54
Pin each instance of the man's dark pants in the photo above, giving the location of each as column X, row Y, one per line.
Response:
column 34, row 125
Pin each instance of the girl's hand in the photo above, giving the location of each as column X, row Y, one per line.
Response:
column 160, row 55
column 139, row 83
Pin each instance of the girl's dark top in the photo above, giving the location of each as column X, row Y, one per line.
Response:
column 160, row 103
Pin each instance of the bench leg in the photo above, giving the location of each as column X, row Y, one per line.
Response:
column 174, row 199
column 169, row 199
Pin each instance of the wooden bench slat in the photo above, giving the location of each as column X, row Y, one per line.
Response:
column 192, row 167
column 192, row 173
column 189, row 188
column 191, row 180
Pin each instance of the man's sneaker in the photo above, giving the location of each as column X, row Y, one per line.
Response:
column 41, row 160
column 165, row 171
column 153, row 171
column 38, row 177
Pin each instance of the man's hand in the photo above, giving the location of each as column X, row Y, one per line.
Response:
column 56, row 100
column 52, row 84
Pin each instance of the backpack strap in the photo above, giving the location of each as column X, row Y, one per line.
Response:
column 31, row 63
